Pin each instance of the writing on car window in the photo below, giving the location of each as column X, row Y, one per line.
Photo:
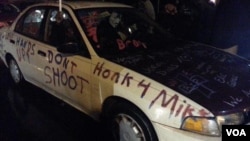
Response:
column 116, row 30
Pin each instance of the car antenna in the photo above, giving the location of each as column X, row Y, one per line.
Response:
column 59, row 15
column 60, row 5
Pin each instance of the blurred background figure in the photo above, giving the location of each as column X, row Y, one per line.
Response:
column 8, row 13
column 188, row 19
column 148, row 8
column 170, row 8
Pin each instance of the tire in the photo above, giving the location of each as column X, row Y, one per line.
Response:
column 15, row 72
column 127, row 123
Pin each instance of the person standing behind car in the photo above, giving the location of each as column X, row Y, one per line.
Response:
column 170, row 7
column 188, row 19
column 180, row 17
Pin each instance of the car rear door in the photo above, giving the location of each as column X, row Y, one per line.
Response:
column 27, row 38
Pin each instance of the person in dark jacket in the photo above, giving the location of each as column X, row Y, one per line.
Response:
column 188, row 19
column 108, row 33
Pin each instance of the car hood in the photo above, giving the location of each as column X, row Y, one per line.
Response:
column 216, row 80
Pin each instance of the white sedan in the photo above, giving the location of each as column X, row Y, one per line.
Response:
column 116, row 65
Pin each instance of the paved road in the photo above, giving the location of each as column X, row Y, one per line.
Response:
column 30, row 114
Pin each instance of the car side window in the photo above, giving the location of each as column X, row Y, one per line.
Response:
column 31, row 23
column 60, row 29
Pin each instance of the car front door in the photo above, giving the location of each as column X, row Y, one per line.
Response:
column 65, row 74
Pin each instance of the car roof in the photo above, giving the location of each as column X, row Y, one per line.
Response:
column 85, row 4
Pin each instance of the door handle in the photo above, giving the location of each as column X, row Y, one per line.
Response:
column 41, row 53
column 12, row 41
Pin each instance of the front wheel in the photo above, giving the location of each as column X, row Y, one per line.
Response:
column 15, row 72
column 128, row 123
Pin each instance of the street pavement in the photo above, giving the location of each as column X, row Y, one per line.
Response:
column 29, row 114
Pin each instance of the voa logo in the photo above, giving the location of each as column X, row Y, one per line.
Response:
column 236, row 132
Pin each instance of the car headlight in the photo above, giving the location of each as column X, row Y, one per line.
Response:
column 211, row 126
column 231, row 119
column 201, row 125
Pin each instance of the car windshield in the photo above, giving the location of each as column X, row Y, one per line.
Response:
column 121, row 31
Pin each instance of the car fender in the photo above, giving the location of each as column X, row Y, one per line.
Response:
column 160, row 103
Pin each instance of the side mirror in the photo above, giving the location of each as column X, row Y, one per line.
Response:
column 70, row 47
